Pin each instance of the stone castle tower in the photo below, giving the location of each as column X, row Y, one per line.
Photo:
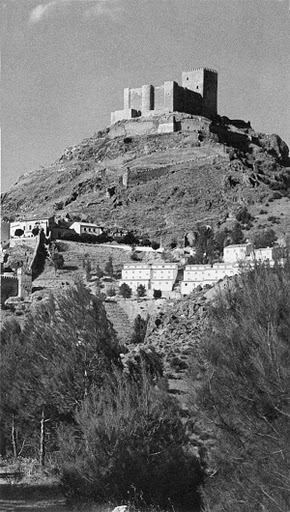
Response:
column 196, row 96
column 205, row 82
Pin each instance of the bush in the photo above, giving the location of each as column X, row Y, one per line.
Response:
column 129, row 444
column 109, row 269
column 103, row 238
column 243, row 216
column 125, row 291
column 99, row 273
column 58, row 260
column 155, row 245
column 86, row 238
column 111, row 291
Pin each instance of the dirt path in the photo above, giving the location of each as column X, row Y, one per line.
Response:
column 14, row 498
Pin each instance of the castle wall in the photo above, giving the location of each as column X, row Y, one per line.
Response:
column 169, row 95
column 187, row 101
column 210, row 93
column 120, row 115
column 196, row 96
column 147, row 98
column 159, row 98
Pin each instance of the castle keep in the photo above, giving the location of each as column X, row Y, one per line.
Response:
column 196, row 96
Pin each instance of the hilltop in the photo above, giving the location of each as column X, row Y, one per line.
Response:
column 162, row 184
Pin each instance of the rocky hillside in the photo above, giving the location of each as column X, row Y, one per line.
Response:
column 161, row 184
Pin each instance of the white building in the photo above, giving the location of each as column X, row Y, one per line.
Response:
column 134, row 274
column 265, row 254
column 200, row 275
column 28, row 225
column 158, row 276
column 163, row 276
column 86, row 227
column 237, row 252
column 5, row 234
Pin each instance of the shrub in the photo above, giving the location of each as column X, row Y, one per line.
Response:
column 273, row 219
column 128, row 437
column 125, row 291
column 99, row 273
column 86, row 238
column 103, row 238
column 35, row 231
column 243, row 216
column 58, row 260
column 111, row 291
column 155, row 245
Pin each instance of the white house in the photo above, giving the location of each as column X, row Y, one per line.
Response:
column 237, row 252
column 86, row 227
column 28, row 225
column 200, row 275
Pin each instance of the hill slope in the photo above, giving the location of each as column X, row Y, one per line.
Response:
column 159, row 184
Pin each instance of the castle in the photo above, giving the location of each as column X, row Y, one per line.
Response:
column 196, row 96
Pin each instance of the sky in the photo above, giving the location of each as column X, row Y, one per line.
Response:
column 65, row 64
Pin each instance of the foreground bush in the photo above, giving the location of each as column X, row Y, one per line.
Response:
column 129, row 444
column 245, row 394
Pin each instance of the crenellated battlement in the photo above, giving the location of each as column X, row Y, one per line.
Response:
column 206, row 69
column 196, row 96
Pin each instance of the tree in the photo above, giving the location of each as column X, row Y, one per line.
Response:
column 58, row 260
column 128, row 436
column 155, row 245
column 87, row 266
column 245, row 392
column 68, row 346
column 264, row 238
column 141, row 290
column 236, row 234
column 125, row 291
column 140, row 327
column 109, row 269
column 205, row 245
